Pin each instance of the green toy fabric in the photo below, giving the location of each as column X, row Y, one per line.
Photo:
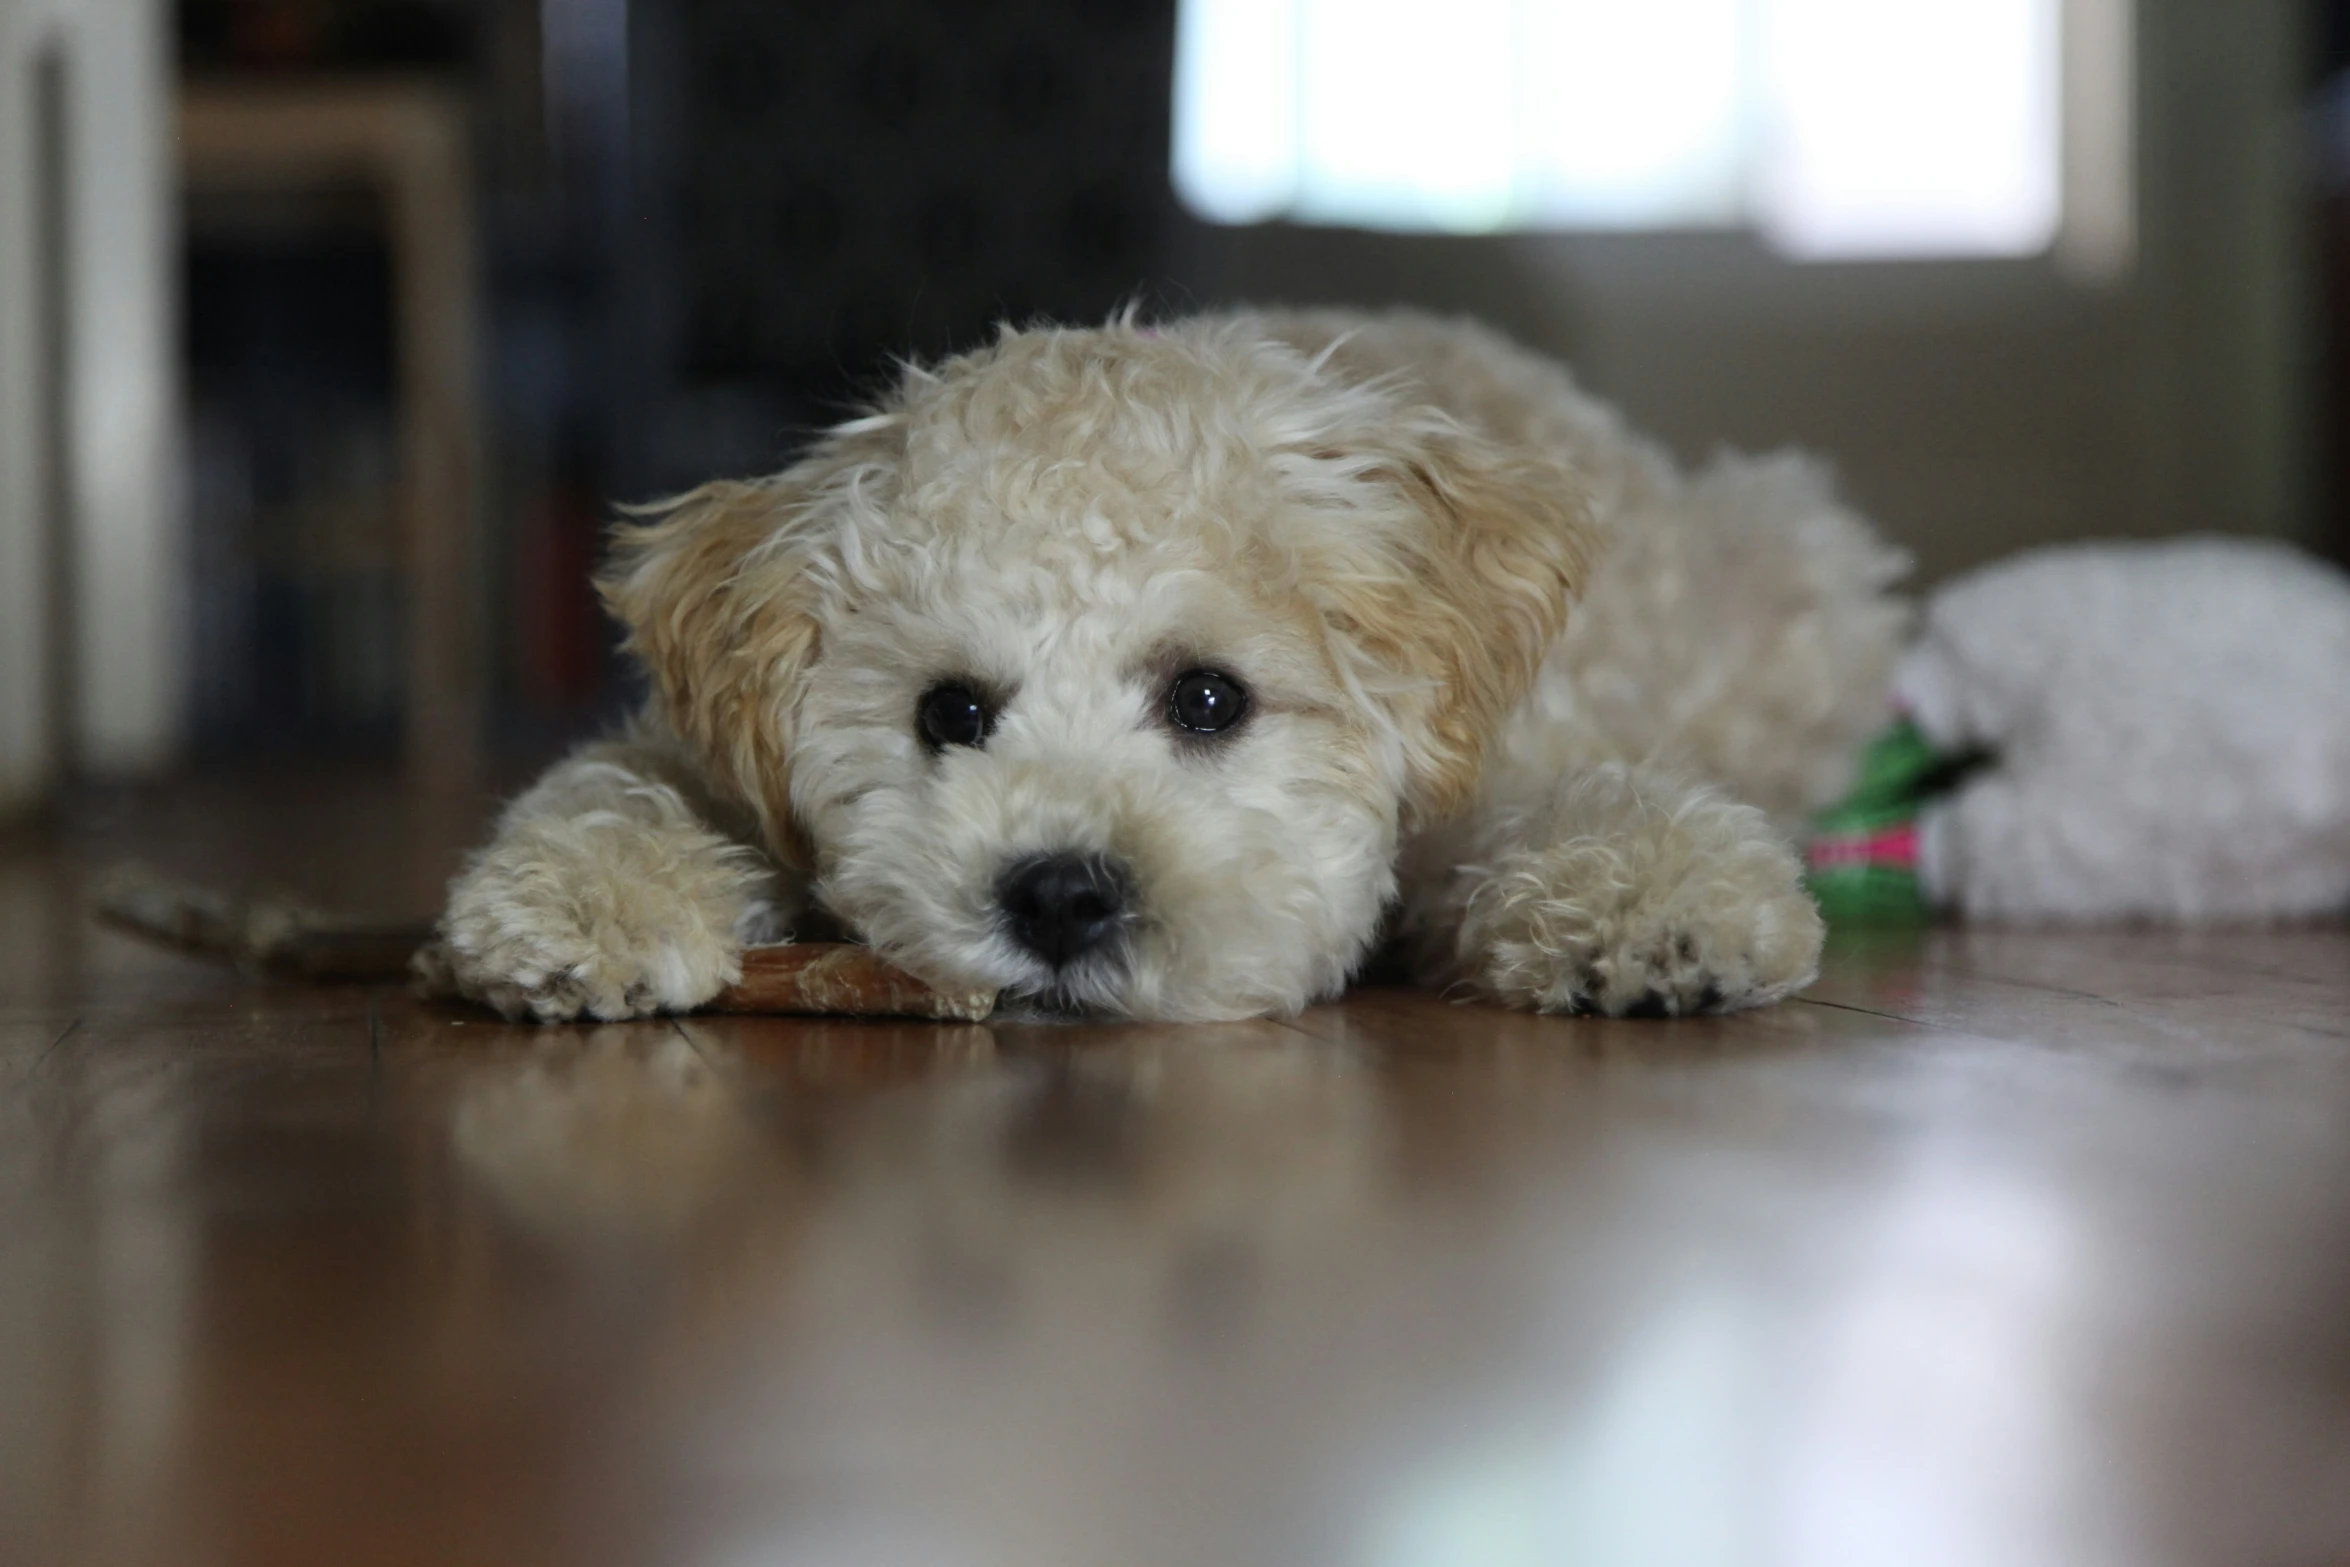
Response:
column 1863, row 851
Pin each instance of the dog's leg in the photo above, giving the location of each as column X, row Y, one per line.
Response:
column 607, row 892
column 1622, row 891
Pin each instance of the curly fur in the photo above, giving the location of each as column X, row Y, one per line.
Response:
column 606, row 893
column 1520, row 690
column 1617, row 891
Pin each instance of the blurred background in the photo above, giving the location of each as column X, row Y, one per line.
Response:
column 330, row 330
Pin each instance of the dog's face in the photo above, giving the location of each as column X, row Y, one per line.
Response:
column 1105, row 667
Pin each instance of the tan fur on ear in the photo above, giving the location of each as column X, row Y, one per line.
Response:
column 1472, row 592
column 723, row 637
column 718, row 589
column 1459, row 605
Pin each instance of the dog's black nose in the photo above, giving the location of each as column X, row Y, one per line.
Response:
column 1062, row 906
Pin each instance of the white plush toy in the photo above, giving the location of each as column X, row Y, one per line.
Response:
column 2165, row 731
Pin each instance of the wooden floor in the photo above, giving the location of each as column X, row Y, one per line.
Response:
column 1998, row 1249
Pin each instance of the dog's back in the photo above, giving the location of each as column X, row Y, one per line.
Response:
column 1737, row 623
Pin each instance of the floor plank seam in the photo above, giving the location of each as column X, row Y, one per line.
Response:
column 51, row 1048
column 1890, row 1017
column 1986, row 977
column 717, row 1068
column 2140, row 1009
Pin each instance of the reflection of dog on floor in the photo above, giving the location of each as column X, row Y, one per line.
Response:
column 1160, row 672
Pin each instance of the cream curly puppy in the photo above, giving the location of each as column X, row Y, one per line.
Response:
column 1164, row 672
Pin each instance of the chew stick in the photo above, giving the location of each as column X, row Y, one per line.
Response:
column 266, row 932
column 278, row 935
column 842, row 979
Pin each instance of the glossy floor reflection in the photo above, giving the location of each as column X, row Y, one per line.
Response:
column 1999, row 1249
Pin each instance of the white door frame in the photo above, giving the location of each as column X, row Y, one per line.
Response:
column 104, row 404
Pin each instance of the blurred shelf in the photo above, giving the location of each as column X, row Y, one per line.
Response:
column 404, row 143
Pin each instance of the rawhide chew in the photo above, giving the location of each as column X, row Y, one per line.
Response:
column 844, row 980
column 279, row 935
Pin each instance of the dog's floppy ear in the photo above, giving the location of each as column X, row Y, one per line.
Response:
column 1453, row 599
column 718, row 590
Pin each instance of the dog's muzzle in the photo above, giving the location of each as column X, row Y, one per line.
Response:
column 1062, row 906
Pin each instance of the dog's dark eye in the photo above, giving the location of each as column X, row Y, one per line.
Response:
column 951, row 713
column 1205, row 702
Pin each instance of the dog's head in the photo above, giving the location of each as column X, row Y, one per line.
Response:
column 1106, row 666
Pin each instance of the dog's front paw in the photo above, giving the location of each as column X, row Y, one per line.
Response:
column 1700, row 908
column 609, row 920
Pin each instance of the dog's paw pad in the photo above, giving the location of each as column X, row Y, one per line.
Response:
column 1650, row 1003
column 555, row 978
column 1663, row 981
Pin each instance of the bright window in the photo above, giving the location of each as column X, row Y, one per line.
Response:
column 1838, row 128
